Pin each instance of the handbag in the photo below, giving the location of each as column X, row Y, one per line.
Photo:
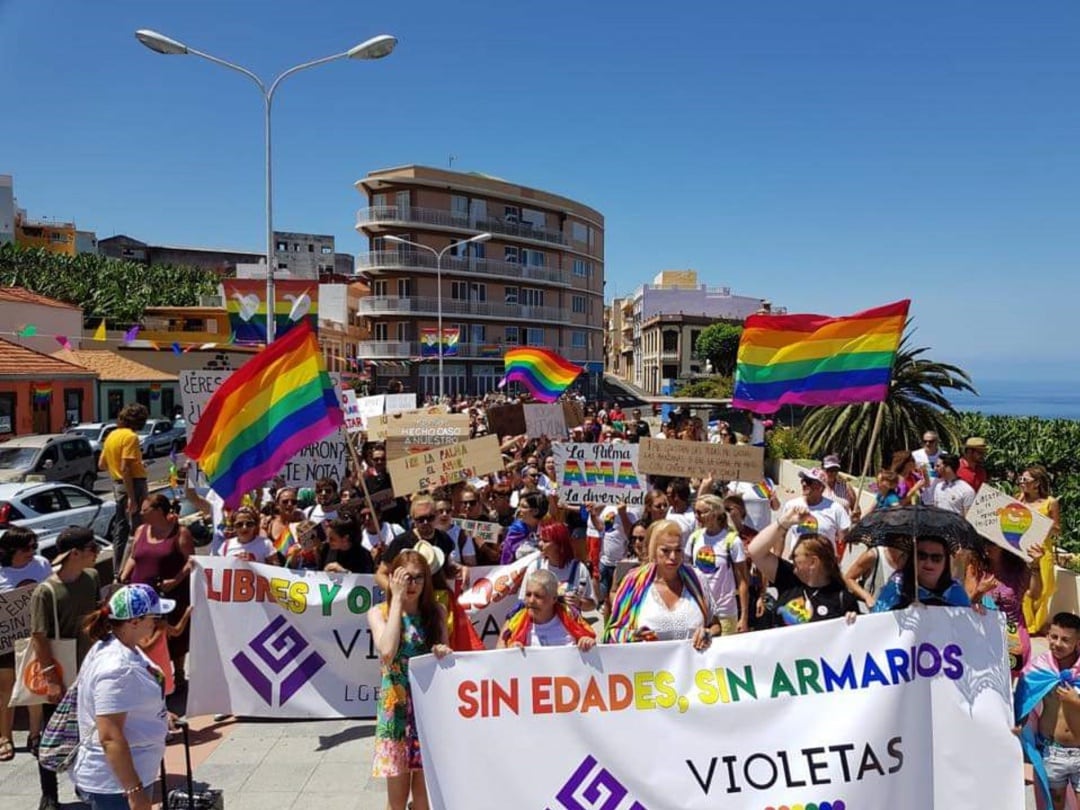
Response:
column 60, row 740
column 31, row 685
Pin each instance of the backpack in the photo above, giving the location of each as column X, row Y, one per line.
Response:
column 60, row 740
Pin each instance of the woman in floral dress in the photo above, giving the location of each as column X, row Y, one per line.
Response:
column 410, row 623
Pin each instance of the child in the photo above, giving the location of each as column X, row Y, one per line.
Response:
column 156, row 646
column 1047, row 703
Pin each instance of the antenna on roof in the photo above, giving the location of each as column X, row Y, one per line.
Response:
column 450, row 161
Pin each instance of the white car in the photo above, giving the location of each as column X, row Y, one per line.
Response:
column 47, row 508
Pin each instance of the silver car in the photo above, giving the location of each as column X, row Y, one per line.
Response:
column 48, row 508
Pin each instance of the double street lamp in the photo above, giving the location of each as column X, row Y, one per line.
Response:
column 374, row 48
column 438, row 254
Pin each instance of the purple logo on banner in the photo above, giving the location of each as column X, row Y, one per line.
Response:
column 594, row 788
column 278, row 653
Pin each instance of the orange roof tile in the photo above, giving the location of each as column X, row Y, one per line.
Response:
column 20, row 295
column 113, row 367
column 16, row 360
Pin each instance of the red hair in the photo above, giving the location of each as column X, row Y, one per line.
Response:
column 559, row 535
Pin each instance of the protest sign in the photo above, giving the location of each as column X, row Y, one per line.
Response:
column 499, row 583
column 371, row 406
column 354, row 419
column 506, row 420
column 482, row 531
column 1010, row 524
column 545, row 420
column 726, row 462
column 14, row 617
column 379, row 427
column 327, row 458
column 395, row 403
column 803, row 717
column 573, row 414
column 598, row 473
column 416, row 433
column 446, row 465
column 272, row 642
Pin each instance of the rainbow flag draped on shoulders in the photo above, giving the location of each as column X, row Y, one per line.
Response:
column 276, row 404
column 817, row 359
column 1041, row 676
column 544, row 373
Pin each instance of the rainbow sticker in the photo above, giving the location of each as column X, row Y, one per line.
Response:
column 705, row 560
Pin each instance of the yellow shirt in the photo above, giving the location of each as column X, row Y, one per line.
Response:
column 121, row 444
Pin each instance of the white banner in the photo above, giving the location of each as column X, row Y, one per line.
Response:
column 270, row 642
column 598, row 473
column 901, row 710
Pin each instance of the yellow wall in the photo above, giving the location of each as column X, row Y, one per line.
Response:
column 53, row 238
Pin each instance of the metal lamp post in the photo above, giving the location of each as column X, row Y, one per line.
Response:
column 438, row 254
column 374, row 48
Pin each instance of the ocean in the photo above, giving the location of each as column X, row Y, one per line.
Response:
column 1045, row 399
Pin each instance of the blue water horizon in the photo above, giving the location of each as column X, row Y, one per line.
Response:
column 1047, row 400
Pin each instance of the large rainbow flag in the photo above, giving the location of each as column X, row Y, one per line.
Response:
column 817, row 360
column 543, row 372
column 277, row 403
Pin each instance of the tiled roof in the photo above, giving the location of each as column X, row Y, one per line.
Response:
column 19, row 295
column 113, row 367
column 15, row 359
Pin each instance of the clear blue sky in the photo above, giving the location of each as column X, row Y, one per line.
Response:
column 829, row 155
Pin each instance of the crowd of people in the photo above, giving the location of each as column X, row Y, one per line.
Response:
column 699, row 559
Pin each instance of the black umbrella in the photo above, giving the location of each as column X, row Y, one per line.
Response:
column 896, row 526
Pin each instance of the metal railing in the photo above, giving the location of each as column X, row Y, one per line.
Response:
column 418, row 260
column 379, row 305
column 450, row 219
column 410, row 349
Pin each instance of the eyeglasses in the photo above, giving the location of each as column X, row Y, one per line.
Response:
column 929, row 441
column 287, row 502
column 244, row 524
column 934, row 557
column 470, row 502
column 1024, row 479
column 423, row 518
column 414, row 579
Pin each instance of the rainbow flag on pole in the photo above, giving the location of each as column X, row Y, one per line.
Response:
column 543, row 372
column 279, row 402
column 816, row 359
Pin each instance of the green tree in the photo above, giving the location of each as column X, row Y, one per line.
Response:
column 715, row 387
column 917, row 401
column 718, row 343
column 105, row 288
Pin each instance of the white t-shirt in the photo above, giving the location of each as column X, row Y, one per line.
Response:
column 35, row 571
column 956, row 496
column 713, row 557
column 575, row 569
column 552, row 633
column 259, row 547
column 613, row 539
column 925, row 462
column 387, row 532
column 316, row 513
column 831, row 517
column 116, row 679
column 687, row 523
column 758, row 508
column 466, row 546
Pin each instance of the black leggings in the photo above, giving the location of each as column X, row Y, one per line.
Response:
column 49, row 788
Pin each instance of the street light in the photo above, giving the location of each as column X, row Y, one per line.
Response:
column 375, row 48
column 438, row 254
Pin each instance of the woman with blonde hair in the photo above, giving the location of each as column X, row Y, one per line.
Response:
column 1035, row 493
column 663, row 599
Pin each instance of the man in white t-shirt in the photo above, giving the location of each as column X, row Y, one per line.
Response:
column 376, row 541
column 760, row 500
column 948, row 490
column 832, row 519
column 926, row 458
column 680, row 510
column 326, row 497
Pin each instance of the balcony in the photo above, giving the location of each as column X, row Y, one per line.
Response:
column 421, row 260
column 393, row 305
column 407, row 216
column 410, row 349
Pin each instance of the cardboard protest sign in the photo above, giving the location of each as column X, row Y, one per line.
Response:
column 396, row 403
column 573, row 414
column 482, row 531
column 545, row 420
column 393, row 424
column 410, row 435
column 327, row 458
column 598, row 473
column 729, row 462
column 1010, row 524
column 446, row 465
column 14, row 617
column 354, row 420
column 506, row 420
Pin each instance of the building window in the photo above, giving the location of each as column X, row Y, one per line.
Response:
column 282, row 265
column 534, row 337
column 577, row 304
column 115, row 401
column 281, row 247
column 378, row 200
column 404, row 287
column 533, row 258
column 402, row 331
column 579, row 232
column 578, row 340
column 694, row 335
column 381, row 331
column 511, row 295
column 512, row 336
column 7, row 413
column 477, row 333
column 379, row 288
column 531, row 297
column 511, row 213
column 510, row 254
column 582, row 268
column 459, row 208
column 671, row 341
column 326, row 250
column 168, row 401
column 477, row 292
column 311, row 247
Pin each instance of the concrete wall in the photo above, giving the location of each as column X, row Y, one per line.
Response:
column 49, row 321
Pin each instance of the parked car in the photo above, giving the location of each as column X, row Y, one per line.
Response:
column 48, row 508
column 93, row 432
column 160, row 436
column 48, row 457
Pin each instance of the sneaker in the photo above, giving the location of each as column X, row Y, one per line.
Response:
column 48, row 803
column 218, row 718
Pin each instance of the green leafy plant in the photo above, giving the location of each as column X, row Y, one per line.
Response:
column 717, row 387
column 718, row 343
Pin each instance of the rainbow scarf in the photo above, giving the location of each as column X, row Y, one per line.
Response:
column 1040, row 677
column 543, row 372
column 519, row 625
column 817, row 359
column 627, row 602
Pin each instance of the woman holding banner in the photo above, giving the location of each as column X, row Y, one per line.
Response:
column 410, row 623
column 663, row 599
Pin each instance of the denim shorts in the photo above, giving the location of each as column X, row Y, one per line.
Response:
column 607, row 574
column 1062, row 766
column 104, row 801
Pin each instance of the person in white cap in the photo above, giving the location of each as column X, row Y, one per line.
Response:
column 832, row 519
column 837, row 488
column 121, row 706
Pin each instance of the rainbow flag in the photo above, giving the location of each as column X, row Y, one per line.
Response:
column 816, row 359
column 764, row 488
column 276, row 404
column 543, row 372
column 285, row 541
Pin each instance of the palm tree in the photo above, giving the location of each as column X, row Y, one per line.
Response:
column 916, row 403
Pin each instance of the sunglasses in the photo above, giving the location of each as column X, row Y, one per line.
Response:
column 934, row 557
column 469, row 503
column 327, row 491
column 287, row 502
column 423, row 519
column 244, row 524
